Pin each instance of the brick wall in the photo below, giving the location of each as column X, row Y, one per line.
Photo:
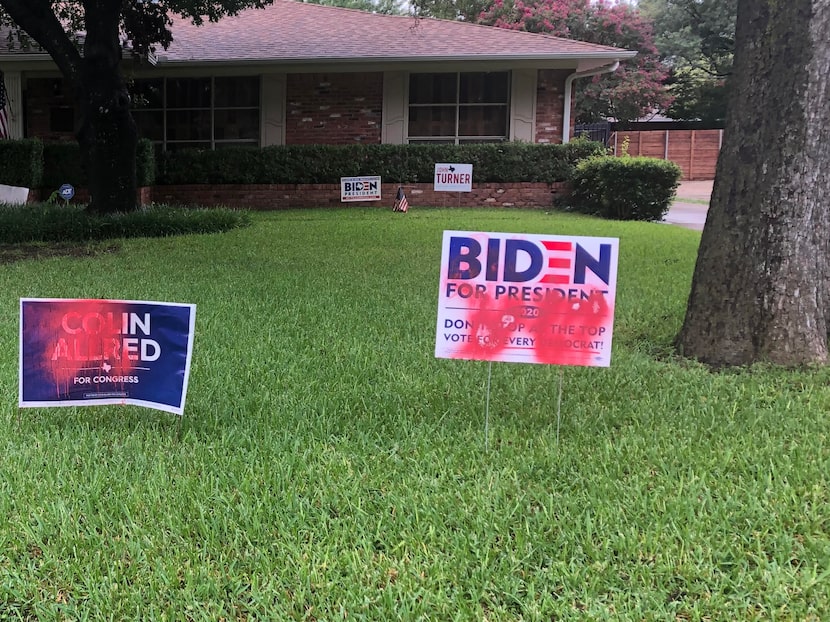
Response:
column 143, row 195
column 550, row 104
column 291, row 196
column 267, row 197
column 334, row 109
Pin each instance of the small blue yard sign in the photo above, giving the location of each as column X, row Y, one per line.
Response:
column 66, row 191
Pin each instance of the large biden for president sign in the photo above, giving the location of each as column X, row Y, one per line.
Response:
column 88, row 352
column 527, row 298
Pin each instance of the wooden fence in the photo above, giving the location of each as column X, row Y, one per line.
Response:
column 695, row 151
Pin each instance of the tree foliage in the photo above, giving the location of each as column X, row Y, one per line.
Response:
column 386, row 7
column 91, row 64
column 464, row 10
column 696, row 39
column 635, row 89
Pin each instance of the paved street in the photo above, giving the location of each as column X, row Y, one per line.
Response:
column 690, row 207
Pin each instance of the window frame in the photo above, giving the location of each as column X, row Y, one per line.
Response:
column 211, row 142
column 457, row 138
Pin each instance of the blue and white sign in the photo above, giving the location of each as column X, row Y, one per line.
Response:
column 91, row 352
column 360, row 189
column 66, row 192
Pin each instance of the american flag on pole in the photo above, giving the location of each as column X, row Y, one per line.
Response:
column 4, row 119
column 401, row 204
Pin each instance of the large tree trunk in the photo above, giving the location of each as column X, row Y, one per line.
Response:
column 108, row 140
column 761, row 286
column 108, row 135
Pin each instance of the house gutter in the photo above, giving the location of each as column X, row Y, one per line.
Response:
column 566, row 114
column 553, row 59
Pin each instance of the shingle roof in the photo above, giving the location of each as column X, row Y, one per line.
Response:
column 289, row 31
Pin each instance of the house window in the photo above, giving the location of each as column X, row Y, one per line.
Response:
column 198, row 113
column 458, row 107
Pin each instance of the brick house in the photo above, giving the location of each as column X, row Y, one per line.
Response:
column 297, row 73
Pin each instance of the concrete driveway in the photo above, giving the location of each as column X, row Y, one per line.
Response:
column 691, row 204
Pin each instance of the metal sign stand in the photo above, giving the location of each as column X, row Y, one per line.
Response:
column 487, row 409
column 559, row 405
column 487, row 406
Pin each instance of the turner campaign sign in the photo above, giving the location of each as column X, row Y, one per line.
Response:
column 527, row 298
column 88, row 352
column 453, row 177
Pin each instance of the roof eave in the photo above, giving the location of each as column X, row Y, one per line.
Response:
column 605, row 56
column 488, row 62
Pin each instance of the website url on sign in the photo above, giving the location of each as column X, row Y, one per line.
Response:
column 106, row 394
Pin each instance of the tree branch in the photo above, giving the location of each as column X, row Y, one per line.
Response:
column 38, row 20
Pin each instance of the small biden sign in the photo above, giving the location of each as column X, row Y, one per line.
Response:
column 359, row 189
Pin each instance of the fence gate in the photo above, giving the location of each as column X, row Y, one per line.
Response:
column 600, row 132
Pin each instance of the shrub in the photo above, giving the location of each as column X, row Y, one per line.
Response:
column 62, row 164
column 145, row 163
column 624, row 188
column 326, row 164
column 21, row 163
column 48, row 222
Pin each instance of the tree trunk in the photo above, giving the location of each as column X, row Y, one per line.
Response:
column 108, row 135
column 761, row 286
column 108, row 140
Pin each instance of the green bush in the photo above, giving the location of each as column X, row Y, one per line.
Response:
column 46, row 222
column 326, row 164
column 624, row 188
column 62, row 164
column 21, row 163
column 145, row 163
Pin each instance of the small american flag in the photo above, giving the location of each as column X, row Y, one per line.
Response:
column 4, row 119
column 401, row 204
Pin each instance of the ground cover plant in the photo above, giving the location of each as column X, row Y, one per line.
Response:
column 328, row 467
column 56, row 222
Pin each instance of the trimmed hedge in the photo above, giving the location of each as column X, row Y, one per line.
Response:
column 62, row 164
column 46, row 222
column 624, row 188
column 34, row 164
column 326, row 164
column 145, row 163
column 21, row 162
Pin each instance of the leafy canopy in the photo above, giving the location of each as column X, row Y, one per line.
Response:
column 141, row 24
column 696, row 39
column 635, row 89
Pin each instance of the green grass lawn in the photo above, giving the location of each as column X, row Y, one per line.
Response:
column 328, row 467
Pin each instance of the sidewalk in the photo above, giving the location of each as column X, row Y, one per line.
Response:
column 691, row 204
